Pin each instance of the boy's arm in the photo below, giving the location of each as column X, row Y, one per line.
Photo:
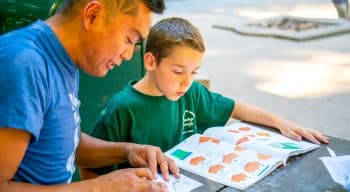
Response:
column 94, row 153
column 250, row 113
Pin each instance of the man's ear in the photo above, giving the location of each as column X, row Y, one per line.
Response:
column 91, row 11
column 150, row 61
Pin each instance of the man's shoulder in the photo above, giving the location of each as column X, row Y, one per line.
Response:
column 21, row 44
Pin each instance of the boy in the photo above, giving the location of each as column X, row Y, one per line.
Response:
column 166, row 106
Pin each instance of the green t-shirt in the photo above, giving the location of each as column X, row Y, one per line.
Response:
column 131, row 116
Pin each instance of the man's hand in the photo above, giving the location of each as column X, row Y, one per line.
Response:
column 150, row 156
column 134, row 179
column 298, row 132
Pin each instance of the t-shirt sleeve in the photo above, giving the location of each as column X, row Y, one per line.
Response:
column 212, row 109
column 23, row 89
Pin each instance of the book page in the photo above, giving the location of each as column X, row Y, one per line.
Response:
column 222, row 162
column 183, row 184
column 259, row 139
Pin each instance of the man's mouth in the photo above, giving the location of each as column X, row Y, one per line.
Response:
column 110, row 65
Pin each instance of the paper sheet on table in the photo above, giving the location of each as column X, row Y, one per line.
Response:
column 339, row 168
column 183, row 184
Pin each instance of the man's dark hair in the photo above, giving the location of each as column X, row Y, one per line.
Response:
column 126, row 6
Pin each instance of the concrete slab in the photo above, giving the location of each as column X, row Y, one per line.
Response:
column 289, row 28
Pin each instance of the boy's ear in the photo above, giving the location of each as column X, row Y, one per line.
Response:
column 150, row 61
column 90, row 13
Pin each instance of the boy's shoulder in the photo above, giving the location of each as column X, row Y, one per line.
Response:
column 196, row 88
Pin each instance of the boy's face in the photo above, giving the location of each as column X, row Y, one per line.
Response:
column 175, row 73
column 112, row 42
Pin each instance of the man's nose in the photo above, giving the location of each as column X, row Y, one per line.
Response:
column 127, row 53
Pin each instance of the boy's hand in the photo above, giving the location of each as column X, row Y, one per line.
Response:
column 134, row 179
column 151, row 156
column 298, row 132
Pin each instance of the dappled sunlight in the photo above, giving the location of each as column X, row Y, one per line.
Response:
column 322, row 75
column 309, row 11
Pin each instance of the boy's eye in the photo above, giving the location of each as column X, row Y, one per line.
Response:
column 177, row 72
column 194, row 73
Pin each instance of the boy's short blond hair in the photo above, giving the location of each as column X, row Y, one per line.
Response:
column 170, row 32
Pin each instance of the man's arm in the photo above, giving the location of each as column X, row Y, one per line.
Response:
column 250, row 113
column 108, row 153
column 14, row 143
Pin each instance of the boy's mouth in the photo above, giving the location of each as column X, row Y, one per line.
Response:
column 180, row 93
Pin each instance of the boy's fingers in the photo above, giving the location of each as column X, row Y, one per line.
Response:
column 322, row 138
column 309, row 136
column 152, row 162
column 173, row 168
column 163, row 164
column 294, row 135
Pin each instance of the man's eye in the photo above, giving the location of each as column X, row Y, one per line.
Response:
column 129, row 41
column 194, row 73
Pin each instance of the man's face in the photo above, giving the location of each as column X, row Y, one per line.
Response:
column 114, row 41
column 175, row 73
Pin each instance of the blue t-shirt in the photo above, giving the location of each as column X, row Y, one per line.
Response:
column 39, row 88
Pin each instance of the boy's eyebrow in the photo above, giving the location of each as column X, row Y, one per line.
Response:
column 178, row 65
column 197, row 68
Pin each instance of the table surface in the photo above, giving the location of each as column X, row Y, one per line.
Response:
column 302, row 173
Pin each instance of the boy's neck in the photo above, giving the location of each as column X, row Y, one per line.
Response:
column 147, row 86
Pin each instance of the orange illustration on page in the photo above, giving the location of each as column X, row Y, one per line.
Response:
column 233, row 131
column 244, row 129
column 263, row 134
column 204, row 139
column 196, row 160
column 229, row 157
column 252, row 166
column 239, row 148
column 242, row 140
column 238, row 177
column 215, row 168
column 262, row 156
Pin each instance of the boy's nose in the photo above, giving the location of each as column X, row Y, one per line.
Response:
column 187, row 80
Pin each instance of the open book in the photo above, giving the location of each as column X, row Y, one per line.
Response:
column 237, row 155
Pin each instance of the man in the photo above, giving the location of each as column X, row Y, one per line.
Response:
column 39, row 114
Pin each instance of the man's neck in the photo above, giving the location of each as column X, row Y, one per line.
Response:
column 68, row 33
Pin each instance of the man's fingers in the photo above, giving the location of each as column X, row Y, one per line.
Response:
column 151, row 186
column 159, row 186
column 144, row 173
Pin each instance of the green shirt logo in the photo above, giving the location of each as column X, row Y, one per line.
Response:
column 188, row 122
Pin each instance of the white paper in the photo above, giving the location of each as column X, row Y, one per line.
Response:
column 338, row 167
column 183, row 184
column 331, row 152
